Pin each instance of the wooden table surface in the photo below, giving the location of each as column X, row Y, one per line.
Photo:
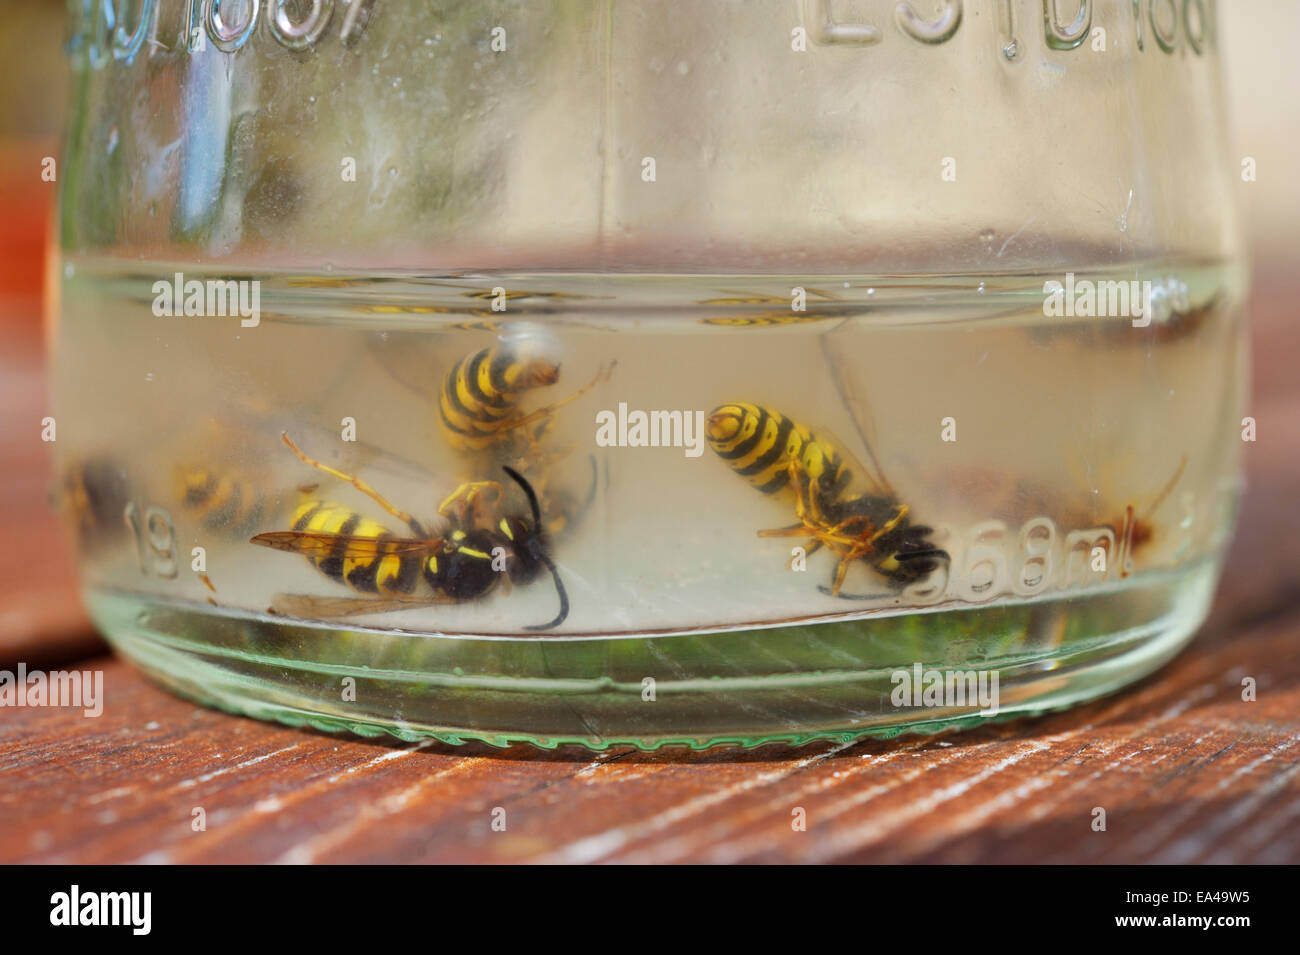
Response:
column 1185, row 769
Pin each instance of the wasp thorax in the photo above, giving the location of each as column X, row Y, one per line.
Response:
column 524, row 366
column 537, row 373
column 464, row 568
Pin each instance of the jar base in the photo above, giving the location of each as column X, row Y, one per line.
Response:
column 878, row 676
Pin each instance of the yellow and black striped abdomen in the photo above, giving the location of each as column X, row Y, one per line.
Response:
column 220, row 501
column 376, row 571
column 480, row 393
column 759, row 444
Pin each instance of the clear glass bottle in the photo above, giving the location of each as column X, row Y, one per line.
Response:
column 984, row 268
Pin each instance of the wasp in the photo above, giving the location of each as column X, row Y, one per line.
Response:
column 784, row 317
column 777, row 455
column 480, row 395
column 513, row 295
column 230, row 492
column 756, row 298
column 222, row 501
column 217, row 485
column 481, row 417
column 423, row 569
column 779, row 316
column 90, row 495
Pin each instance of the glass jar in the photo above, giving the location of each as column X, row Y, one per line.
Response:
column 635, row 373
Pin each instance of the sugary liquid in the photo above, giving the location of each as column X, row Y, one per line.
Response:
column 1078, row 472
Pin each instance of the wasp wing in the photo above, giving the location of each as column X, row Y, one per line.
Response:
column 323, row 545
column 861, row 418
column 312, row 607
column 862, row 477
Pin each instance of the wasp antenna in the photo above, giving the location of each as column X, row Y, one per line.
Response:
column 1165, row 491
column 528, row 490
column 542, row 555
column 918, row 554
column 559, row 589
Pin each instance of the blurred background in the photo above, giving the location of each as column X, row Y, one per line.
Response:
column 40, row 618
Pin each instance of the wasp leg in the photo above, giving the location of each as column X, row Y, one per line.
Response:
column 841, row 570
column 808, row 508
column 468, row 498
column 798, row 530
column 855, row 547
column 795, row 471
column 831, row 536
column 537, row 462
column 808, row 525
column 849, row 547
column 813, row 547
column 509, row 424
column 794, row 530
column 357, row 483
column 931, row 553
column 893, row 522
column 860, row 546
column 812, row 522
